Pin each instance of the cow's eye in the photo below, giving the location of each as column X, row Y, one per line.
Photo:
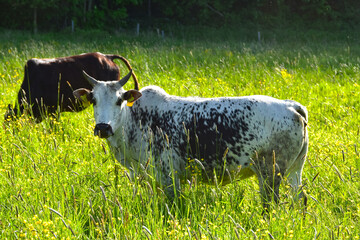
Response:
column 92, row 99
column 119, row 102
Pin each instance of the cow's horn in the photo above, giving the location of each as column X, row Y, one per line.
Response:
column 90, row 79
column 124, row 80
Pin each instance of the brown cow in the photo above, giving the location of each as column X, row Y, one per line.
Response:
column 48, row 83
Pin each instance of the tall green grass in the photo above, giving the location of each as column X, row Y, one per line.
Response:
column 59, row 181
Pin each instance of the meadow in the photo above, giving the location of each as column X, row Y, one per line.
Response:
column 58, row 181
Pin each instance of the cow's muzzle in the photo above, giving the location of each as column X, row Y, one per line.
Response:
column 103, row 130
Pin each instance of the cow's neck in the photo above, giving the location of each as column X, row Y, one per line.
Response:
column 117, row 140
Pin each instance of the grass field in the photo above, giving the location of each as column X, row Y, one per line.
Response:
column 58, row 181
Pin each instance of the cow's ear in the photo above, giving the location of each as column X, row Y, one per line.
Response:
column 131, row 96
column 83, row 95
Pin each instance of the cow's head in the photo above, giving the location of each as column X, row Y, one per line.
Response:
column 108, row 99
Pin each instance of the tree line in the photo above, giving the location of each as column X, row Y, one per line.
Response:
column 52, row 15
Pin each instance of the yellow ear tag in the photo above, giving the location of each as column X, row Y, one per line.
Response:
column 130, row 101
column 84, row 101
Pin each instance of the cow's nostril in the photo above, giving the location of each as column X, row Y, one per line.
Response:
column 103, row 130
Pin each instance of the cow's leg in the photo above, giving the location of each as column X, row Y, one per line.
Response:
column 171, row 187
column 269, row 172
column 170, row 181
column 169, row 169
column 295, row 172
column 294, row 178
column 269, row 188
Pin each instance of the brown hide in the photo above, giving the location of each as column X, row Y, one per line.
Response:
column 48, row 83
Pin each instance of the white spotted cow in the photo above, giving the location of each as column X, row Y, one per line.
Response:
column 228, row 137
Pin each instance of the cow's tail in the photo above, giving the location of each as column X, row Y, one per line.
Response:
column 303, row 112
column 114, row 56
column 300, row 110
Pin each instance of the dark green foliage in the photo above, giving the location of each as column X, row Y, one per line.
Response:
column 53, row 15
column 58, row 14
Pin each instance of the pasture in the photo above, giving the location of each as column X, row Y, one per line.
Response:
column 58, row 181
